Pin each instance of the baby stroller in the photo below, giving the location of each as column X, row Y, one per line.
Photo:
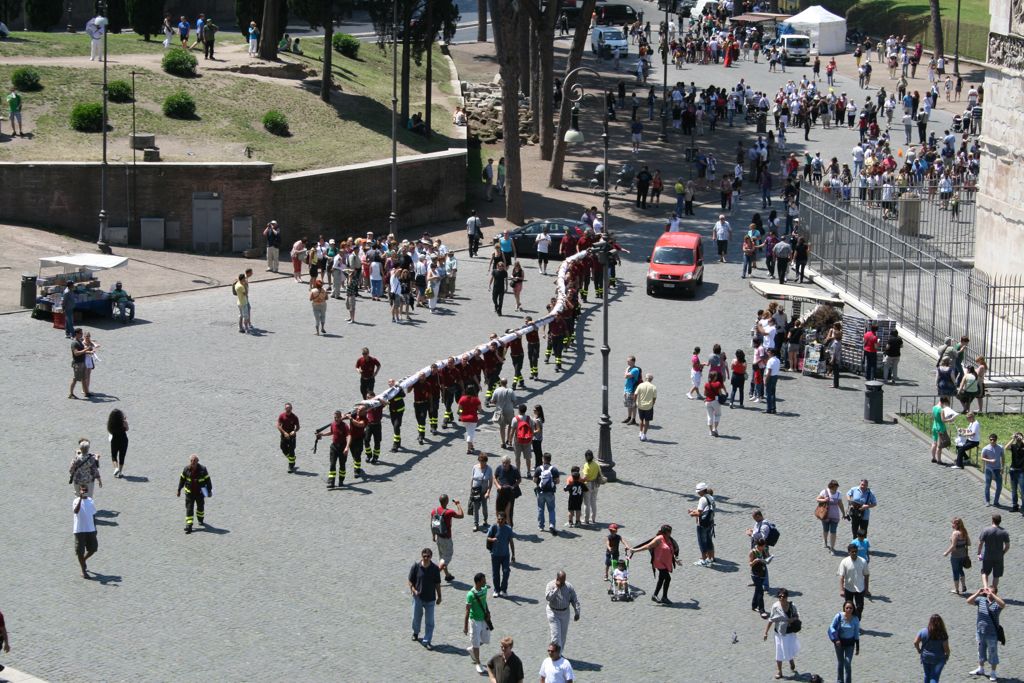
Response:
column 620, row 593
column 597, row 181
column 958, row 124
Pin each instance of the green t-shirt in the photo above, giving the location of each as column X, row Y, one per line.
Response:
column 477, row 607
column 14, row 102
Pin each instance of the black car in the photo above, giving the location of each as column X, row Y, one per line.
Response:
column 525, row 236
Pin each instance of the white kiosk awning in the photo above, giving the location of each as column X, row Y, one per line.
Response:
column 805, row 293
column 90, row 261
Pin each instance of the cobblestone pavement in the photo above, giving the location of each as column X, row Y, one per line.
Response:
column 294, row 582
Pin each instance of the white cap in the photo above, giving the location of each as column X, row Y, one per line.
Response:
column 701, row 486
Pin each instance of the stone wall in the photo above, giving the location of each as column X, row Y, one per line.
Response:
column 1000, row 222
column 65, row 196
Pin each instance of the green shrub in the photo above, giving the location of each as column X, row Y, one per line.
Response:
column 275, row 122
column 180, row 105
column 119, row 91
column 179, row 62
column 346, row 45
column 87, row 117
column 26, row 79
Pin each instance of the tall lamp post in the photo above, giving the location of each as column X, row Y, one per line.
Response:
column 101, row 243
column 573, row 136
column 393, row 218
column 667, row 4
column 956, row 48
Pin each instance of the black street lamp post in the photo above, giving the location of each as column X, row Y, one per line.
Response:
column 393, row 218
column 575, row 93
column 101, row 243
column 956, row 48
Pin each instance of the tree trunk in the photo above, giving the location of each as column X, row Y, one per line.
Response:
column 940, row 47
column 430, row 64
column 534, row 76
column 579, row 40
column 523, row 43
column 326, row 79
column 268, row 44
column 506, row 33
column 481, row 15
column 546, row 40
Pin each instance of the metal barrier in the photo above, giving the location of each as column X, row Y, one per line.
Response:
column 907, row 280
column 409, row 382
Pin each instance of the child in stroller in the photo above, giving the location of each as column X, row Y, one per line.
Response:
column 620, row 582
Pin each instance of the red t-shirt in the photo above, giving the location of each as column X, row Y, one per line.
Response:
column 870, row 342
column 288, row 423
column 712, row 389
column 446, row 526
column 373, row 415
column 469, row 406
column 339, row 430
column 739, row 368
column 367, row 365
column 356, row 427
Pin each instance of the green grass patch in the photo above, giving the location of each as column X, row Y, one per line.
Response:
column 229, row 112
column 1002, row 424
column 36, row 44
column 912, row 18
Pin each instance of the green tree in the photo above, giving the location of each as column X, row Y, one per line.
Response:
column 579, row 41
column 145, row 17
column 505, row 22
column 42, row 15
column 323, row 14
column 252, row 10
column 117, row 15
column 936, row 13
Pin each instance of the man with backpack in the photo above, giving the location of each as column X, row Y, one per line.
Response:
column 546, row 479
column 522, row 442
column 763, row 529
column 705, row 518
column 441, row 527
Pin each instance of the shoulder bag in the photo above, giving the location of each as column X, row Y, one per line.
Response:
column 795, row 624
column 487, row 612
column 821, row 512
column 1000, row 633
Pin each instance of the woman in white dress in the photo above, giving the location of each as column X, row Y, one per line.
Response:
column 786, row 620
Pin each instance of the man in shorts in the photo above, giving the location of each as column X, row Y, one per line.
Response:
column 14, row 105
column 84, row 527
column 992, row 546
column 505, row 403
column 443, row 531
column 477, row 616
column 645, row 395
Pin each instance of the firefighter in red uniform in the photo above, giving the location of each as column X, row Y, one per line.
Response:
column 339, row 447
column 533, row 348
column 421, row 404
column 492, row 361
column 584, row 266
column 515, row 350
column 371, row 440
column 396, row 409
column 367, row 368
column 357, row 430
column 450, row 379
column 288, row 426
column 435, row 398
column 556, row 340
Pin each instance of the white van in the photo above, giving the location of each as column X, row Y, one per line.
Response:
column 604, row 40
column 798, row 47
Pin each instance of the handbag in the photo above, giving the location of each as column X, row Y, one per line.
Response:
column 966, row 563
column 722, row 399
column 795, row 624
column 944, row 441
column 821, row 512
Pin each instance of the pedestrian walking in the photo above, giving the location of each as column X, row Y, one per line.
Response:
column 844, row 632
column 1016, row 447
column 556, row 668
column 958, row 551
column 704, row 515
column 318, row 299
column 632, row 377
column 14, row 108
column 518, row 277
column 664, row 559
column 785, row 620
column 425, row 585
column 254, row 39
column 830, row 511
column 95, row 28
column 479, row 616
column 298, row 256
column 932, row 644
column 288, row 428
column 560, row 596
column 577, row 490
column 497, row 284
column 84, row 510
column 208, row 34
column 507, row 480
column 487, row 176
column 242, row 298
column 501, row 544
column 993, row 544
column 340, row 442
column 772, row 368
column 367, row 368
column 272, row 233
column 506, row 667
column 714, row 396
column 184, row 27
column 546, row 478
column 84, row 469
column 469, row 414
column 988, row 632
column 195, row 479
column 722, row 232
column 696, row 370
column 474, row 233
column 644, row 396
column 441, row 528
column 860, row 501
column 117, row 428
column 480, row 485
column 78, row 354
column 758, row 559
column 992, row 456
column 854, row 578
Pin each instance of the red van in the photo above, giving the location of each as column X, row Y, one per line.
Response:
column 676, row 264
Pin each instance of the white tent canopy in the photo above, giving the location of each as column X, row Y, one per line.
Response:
column 89, row 261
column 827, row 30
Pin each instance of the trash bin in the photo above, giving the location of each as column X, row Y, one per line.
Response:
column 873, row 401
column 28, row 291
column 762, row 122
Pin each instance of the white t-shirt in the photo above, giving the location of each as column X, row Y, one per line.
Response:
column 556, row 672
column 722, row 230
column 773, row 366
column 84, row 518
column 853, row 570
column 375, row 270
column 769, row 333
column 543, row 243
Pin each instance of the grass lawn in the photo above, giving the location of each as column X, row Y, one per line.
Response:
column 913, row 18
column 36, row 44
column 971, row 11
column 1005, row 425
column 356, row 128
